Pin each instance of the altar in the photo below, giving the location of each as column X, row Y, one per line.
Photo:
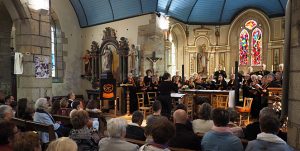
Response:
column 211, row 93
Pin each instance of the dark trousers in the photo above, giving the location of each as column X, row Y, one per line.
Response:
column 166, row 103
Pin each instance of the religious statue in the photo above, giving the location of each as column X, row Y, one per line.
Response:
column 94, row 46
column 87, row 62
column 107, row 60
column 133, row 59
column 202, row 60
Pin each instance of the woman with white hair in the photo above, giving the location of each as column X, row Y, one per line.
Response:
column 42, row 115
column 116, row 128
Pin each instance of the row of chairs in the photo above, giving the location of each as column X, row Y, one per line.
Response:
column 146, row 108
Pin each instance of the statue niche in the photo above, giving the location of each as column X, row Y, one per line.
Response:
column 202, row 60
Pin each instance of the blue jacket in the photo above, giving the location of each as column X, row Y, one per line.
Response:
column 45, row 119
column 221, row 141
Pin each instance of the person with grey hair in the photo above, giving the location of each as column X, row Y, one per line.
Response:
column 116, row 128
column 42, row 115
column 268, row 139
column 252, row 130
column 6, row 112
column 204, row 123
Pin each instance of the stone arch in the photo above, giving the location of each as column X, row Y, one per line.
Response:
column 235, row 29
column 178, row 32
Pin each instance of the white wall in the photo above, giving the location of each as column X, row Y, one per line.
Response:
column 127, row 28
column 73, row 49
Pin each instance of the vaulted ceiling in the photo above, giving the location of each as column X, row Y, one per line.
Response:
column 215, row 12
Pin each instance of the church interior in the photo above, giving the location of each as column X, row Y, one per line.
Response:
column 169, row 72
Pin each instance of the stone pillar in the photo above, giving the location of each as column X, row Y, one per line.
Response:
column 294, row 74
column 33, row 38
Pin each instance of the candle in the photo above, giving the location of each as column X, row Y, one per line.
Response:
column 232, row 70
column 224, row 68
column 215, row 69
column 272, row 68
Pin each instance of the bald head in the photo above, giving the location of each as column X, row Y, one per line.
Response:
column 180, row 116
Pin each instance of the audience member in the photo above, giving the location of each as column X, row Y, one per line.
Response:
column 188, row 122
column 162, row 132
column 204, row 123
column 64, row 110
column 156, row 107
column 116, row 128
column 62, row 144
column 71, row 98
column 8, row 131
column 42, row 115
column 55, row 107
column 220, row 138
column 268, row 139
column 83, row 134
column 6, row 112
column 75, row 105
column 134, row 129
column 27, row 141
column 233, row 116
column 184, row 137
column 92, row 107
column 253, row 129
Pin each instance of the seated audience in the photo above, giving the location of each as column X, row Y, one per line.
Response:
column 62, row 144
column 83, row 134
column 64, row 110
column 162, row 132
column 134, row 129
column 116, row 128
column 233, row 116
column 71, row 98
column 253, row 129
column 268, row 139
column 204, row 123
column 156, row 107
column 220, row 138
column 42, row 115
column 188, row 123
column 6, row 112
column 8, row 131
column 27, row 141
column 75, row 105
column 55, row 107
column 184, row 137
column 92, row 107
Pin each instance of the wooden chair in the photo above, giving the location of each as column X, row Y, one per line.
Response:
column 189, row 105
column 245, row 110
column 151, row 97
column 214, row 101
column 222, row 101
column 141, row 105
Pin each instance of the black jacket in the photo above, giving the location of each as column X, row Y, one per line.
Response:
column 135, row 132
column 185, row 138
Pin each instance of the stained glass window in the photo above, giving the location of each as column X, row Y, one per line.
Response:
column 256, row 47
column 244, row 47
column 251, row 24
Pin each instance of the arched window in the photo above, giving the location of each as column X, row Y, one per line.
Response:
column 57, row 41
column 254, row 53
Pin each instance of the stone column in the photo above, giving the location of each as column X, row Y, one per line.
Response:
column 33, row 38
column 294, row 74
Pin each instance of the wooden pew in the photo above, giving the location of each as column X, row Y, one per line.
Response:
column 141, row 143
column 35, row 126
column 65, row 120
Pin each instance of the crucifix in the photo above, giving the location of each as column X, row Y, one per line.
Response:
column 153, row 60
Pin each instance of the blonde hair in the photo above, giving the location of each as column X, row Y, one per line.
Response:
column 62, row 144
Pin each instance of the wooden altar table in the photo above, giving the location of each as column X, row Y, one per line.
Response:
column 211, row 93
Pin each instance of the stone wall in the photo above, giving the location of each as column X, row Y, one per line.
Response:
column 70, row 44
column 294, row 81
column 5, row 51
column 33, row 38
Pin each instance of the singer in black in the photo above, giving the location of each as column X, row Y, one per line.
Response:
column 165, row 88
